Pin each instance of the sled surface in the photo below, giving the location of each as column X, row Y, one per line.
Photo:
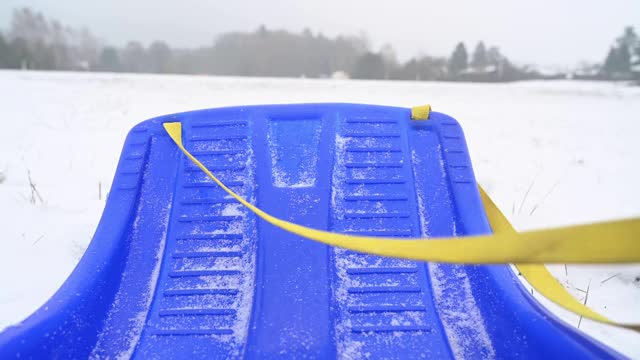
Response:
column 177, row 269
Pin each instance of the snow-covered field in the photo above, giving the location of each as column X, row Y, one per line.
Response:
column 549, row 153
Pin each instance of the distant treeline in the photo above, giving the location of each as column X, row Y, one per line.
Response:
column 34, row 42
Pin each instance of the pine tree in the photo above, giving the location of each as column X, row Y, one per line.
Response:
column 369, row 66
column 135, row 58
column 159, row 57
column 628, row 39
column 459, row 59
column 19, row 54
column 623, row 63
column 610, row 63
column 621, row 56
column 480, row 60
column 494, row 57
column 4, row 52
column 109, row 60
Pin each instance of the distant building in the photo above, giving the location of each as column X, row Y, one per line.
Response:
column 340, row 75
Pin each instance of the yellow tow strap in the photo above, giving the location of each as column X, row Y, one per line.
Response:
column 575, row 244
column 537, row 274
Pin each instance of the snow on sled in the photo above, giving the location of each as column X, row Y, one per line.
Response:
column 179, row 269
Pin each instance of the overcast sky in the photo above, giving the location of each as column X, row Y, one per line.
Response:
column 544, row 32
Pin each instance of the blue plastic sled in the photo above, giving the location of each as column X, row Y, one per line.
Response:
column 177, row 269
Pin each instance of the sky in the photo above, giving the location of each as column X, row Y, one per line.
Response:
column 541, row 32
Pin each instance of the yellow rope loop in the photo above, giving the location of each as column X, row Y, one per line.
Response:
column 420, row 112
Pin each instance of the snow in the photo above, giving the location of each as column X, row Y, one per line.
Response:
column 233, row 210
column 463, row 324
column 293, row 165
column 569, row 146
column 462, row 321
column 134, row 335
